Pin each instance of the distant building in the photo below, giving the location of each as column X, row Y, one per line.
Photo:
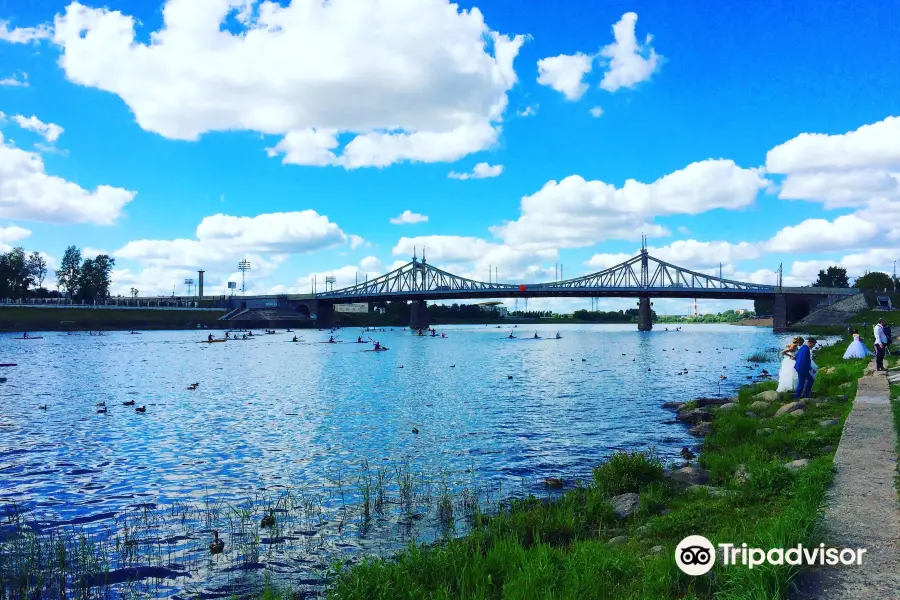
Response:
column 496, row 307
column 359, row 307
column 740, row 311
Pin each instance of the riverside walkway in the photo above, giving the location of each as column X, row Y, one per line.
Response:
column 861, row 507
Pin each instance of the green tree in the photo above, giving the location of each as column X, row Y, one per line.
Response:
column 876, row 280
column 95, row 277
column 37, row 268
column 834, row 277
column 69, row 272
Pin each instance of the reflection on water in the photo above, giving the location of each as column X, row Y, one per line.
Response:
column 302, row 428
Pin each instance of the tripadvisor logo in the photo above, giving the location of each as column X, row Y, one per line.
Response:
column 696, row 555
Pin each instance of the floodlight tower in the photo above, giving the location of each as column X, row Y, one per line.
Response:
column 189, row 283
column 244, row 266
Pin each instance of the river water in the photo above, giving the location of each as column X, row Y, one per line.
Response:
column 305, row 428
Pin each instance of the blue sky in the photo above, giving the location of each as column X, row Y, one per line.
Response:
column 713, row 108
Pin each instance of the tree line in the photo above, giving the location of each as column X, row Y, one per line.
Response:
column 836, row 277
column 22, row 275
column 600, row 316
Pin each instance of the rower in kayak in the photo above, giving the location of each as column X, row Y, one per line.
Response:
column 559, row 337
column 210, row 338
column 377, row 346
column 359, row 340
column 536, row 336
column 295, row 339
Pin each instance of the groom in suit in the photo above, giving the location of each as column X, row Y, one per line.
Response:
column 803, row 364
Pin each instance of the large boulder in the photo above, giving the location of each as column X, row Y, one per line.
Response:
column 728, row 407
column 673, row 405
column 625, row 504
column 796, row 465
column 759, row 405
column 701, row 429
column 694, row 416
column 789, row 408
column 767, row 396
column 691, row 475
column 701, row 402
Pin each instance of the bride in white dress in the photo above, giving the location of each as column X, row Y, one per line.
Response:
column 787, row 376
column 857, row 349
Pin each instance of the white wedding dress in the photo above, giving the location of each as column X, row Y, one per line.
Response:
column 857, row 349
column 787, row 376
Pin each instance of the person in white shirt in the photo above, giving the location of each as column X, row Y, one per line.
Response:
column 880, row 345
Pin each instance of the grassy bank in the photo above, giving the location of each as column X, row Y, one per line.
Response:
column 51, row 319
column 892, row 362
column 577, row 547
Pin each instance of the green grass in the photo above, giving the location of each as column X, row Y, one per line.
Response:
column 760, row 357
column 561, row 549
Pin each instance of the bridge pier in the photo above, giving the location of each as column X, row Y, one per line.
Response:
column 418, row 315
column 645, row 314
column 779, row 314
column 324, row 315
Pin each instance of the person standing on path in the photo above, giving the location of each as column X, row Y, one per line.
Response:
column 803, row 365
column 880, row 345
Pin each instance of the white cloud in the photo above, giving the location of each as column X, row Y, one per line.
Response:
column 408, row 217
column 627, row 63
column 873, row 259
column 434, row 77
column 23, row 35
column 481, row 171
column 287, row 232
column 27, row 192
column 849, row 169
column 704, row 257
column 221, row 241
column 565, row 73
column 472, row 257
column 48, row 131
column 443, row 248
column 696, row 255
column 528, row 111
column 10, row 235
column 596, row 111
column 573, row 212
column 371, row 264
column 809, row 269
column 603, row 261
column 15, row 80
column 847, row 232
column 13, row 233
column 870, row 146
column 357, row 241
column 630, row 62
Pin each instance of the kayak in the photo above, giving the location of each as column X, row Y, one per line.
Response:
column 8, row 364
column 335, row 342
column 29, row 338
column 297, row 342
column 382, row 349
column 211, row 341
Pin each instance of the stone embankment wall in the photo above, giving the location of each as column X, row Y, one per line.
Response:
column 837, row 313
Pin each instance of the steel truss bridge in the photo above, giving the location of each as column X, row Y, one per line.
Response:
column 640, row 276
column 643, row 276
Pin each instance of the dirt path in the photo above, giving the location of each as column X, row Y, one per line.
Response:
column 862, row 508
